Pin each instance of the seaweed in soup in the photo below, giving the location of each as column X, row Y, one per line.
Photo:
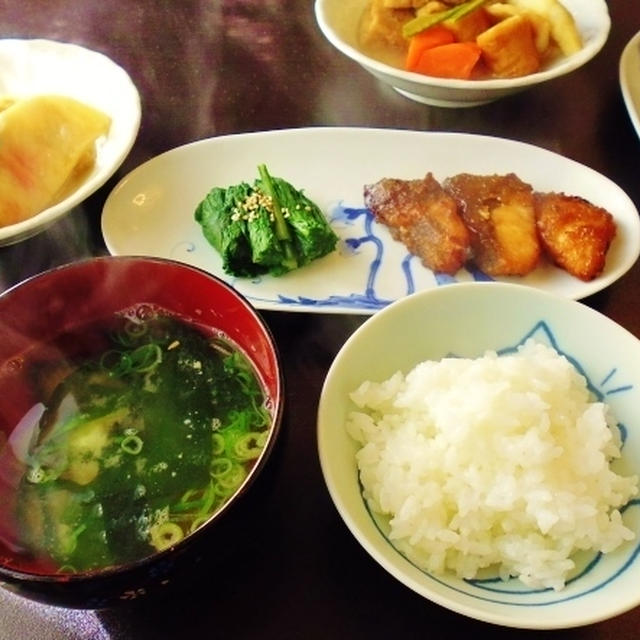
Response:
column 140, row 444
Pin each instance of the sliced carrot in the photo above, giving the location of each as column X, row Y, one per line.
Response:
column 427, row 39
column 454, row 60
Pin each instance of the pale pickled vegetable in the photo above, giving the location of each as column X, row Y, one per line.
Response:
column 47, row 147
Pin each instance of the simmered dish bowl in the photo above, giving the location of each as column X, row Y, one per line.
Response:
column 340, row 23
column 141, row 398
column 465, row 479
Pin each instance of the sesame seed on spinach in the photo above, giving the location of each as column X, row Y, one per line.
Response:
column 269, row 227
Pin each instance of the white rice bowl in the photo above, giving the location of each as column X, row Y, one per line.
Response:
column 512, row 521
column 494, row 461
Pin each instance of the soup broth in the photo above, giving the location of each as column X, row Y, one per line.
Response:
column 139, row 428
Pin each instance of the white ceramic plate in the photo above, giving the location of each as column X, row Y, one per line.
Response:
column 630, row 79
column 150, row 212
column 32, row 67
column 339, row 19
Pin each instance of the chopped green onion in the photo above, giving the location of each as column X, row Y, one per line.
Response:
column 67, row 568
column 185, row 507
column 198, row 522
column 221, row 492
column 217, row 443
column 220, row 467
column 208, row 500
column 132, row 445
column 68, row 540
column 187, row 495
column 189, row 503
column 238, row 421
column 165, row 535
column 146, row 357
column 233, row 479
column 142, row 359
column 263, row 417
column 36, row 475
column 247, row 447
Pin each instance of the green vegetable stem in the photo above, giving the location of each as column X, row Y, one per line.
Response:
column 426, row 20
column 282, row 230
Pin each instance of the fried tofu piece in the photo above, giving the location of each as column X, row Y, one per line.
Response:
column 564, row 30
column 539, row 23
column 509, row 48
column 575, row 233
column 499, row 212
column 382, row 26
column 424, row 217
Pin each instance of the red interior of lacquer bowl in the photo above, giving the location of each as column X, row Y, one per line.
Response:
column 71, row 296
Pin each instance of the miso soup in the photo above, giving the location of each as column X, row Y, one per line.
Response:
column 140, row 427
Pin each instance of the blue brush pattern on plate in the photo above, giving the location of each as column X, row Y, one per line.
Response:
column 368, row 299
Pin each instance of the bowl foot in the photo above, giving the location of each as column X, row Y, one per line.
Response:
column 434, row 102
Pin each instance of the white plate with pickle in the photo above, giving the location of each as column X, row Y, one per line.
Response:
column 37, row 67
column 151, row 210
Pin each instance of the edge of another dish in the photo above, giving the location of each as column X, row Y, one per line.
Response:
column 629, row 76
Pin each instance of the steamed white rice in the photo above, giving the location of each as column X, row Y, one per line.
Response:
column 500, row 461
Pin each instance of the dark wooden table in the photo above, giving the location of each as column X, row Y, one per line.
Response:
column 212, row 67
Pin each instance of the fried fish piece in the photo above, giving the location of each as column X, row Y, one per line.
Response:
column 499, row 213
column 424, row 217
column 575, row 233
